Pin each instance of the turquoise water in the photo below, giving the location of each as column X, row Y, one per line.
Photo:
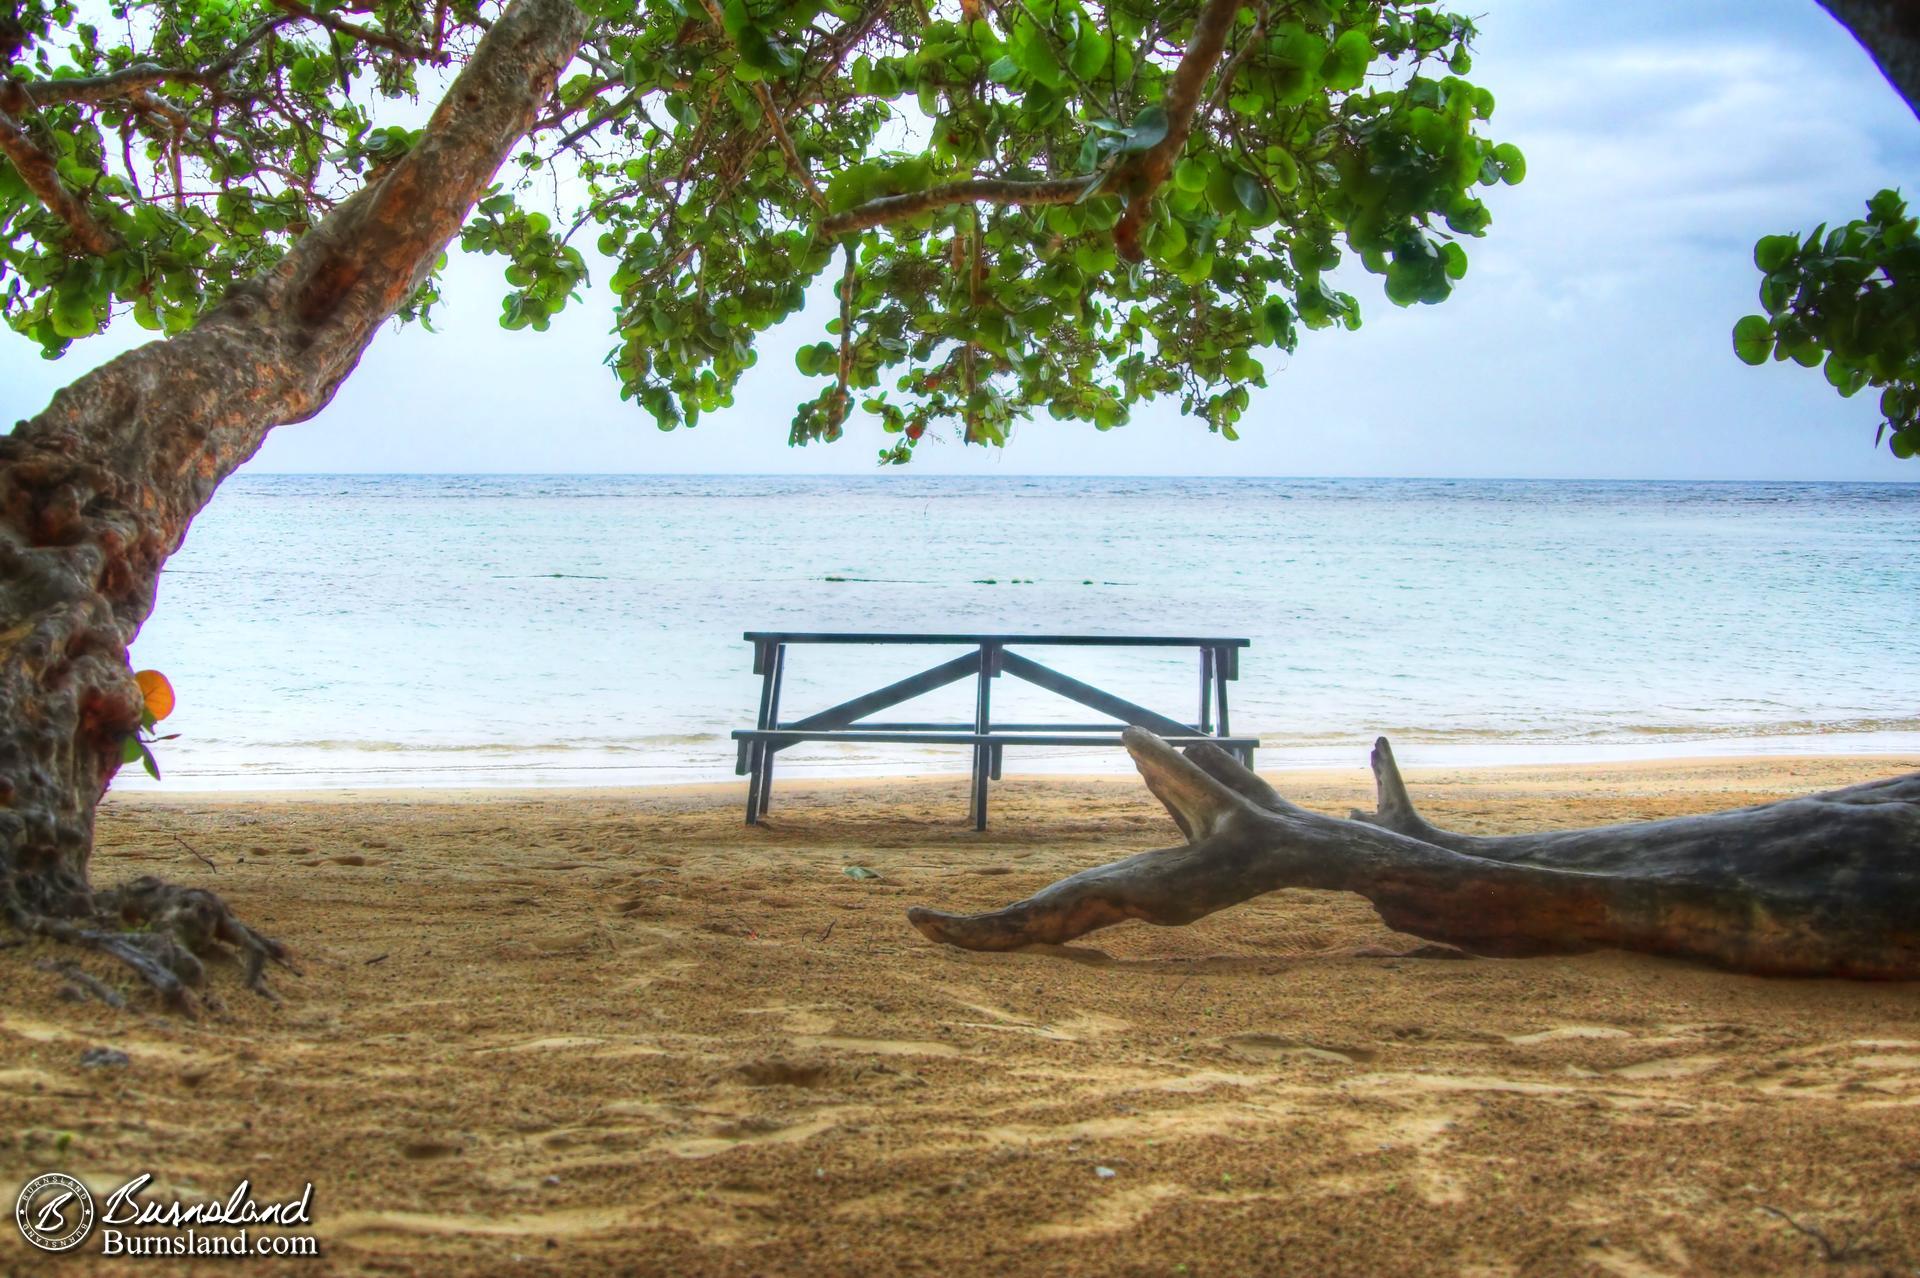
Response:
column 360, row 631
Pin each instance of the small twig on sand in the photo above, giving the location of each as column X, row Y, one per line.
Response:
column 1833, row 1253
column 196, row 851
column 829, row 932
column 378, row 958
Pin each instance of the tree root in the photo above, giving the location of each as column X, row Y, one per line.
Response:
column 162, row 932
column 1827, row 885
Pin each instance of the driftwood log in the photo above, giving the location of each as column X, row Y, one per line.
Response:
column 1827, row 885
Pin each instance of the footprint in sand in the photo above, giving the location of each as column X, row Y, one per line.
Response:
column 780, row 1072
column 1273, row 1047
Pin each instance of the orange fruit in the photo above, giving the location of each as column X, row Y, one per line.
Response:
column 157, row 691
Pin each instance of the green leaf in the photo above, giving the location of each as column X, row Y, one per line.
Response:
column 1091, row 50
column 860, row 872
column 1345, row 66
column 1512, row 165
column 1753, row 339
column 1147, row 131
column 1033, row 53
column 1775, row 251
column 1252, row 195
column 1282, row 169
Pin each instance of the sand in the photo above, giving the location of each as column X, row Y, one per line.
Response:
column 616, row 1032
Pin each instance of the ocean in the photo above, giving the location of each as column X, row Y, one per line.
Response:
column 363, row 631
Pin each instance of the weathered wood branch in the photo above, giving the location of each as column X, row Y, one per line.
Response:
column 36, row 168
column 897, row 208
column 1827, row 885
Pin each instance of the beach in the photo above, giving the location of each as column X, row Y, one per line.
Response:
column 615, row 1031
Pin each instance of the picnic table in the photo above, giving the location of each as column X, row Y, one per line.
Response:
column 989, row 657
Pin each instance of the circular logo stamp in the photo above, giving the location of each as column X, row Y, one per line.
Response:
column 54, row 1211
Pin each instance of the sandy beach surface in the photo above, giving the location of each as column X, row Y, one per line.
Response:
column 609, row 1032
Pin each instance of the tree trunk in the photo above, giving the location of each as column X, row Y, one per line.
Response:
column 1821, row 886
column 99, row 489
column 1889, row 30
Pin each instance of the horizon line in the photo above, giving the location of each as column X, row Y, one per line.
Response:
column 906, row 472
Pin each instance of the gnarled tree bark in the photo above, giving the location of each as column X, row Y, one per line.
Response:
column 98, row 490
column 1822, row 886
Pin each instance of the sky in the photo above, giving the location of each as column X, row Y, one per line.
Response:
column 1590, row 338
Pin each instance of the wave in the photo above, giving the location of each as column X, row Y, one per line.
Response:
column 1604, row 733
column 645, row 741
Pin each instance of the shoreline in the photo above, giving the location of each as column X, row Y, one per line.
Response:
column 1759, row 772
column 513, row 768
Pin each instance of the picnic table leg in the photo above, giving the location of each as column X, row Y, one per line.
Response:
column 1206, row 691
column 773, row 721
column 983, row 722
column 1221, row 664
column 753, row 784
column 757, row 750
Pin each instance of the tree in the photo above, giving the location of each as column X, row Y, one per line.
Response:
column 99, row 489
column 1023, row 205
column 1827, row 885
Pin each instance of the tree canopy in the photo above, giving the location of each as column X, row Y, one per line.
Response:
column 1021, row 205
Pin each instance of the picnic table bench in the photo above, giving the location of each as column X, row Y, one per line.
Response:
column 989, row 658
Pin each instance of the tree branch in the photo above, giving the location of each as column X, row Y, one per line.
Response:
column 896, row 208
column 365, row 35
column 842, row 43
column 1151, row 170
column 775, row 124
column 19, row 95
column 16, row 95
column 611, row 113
column 36, row 169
